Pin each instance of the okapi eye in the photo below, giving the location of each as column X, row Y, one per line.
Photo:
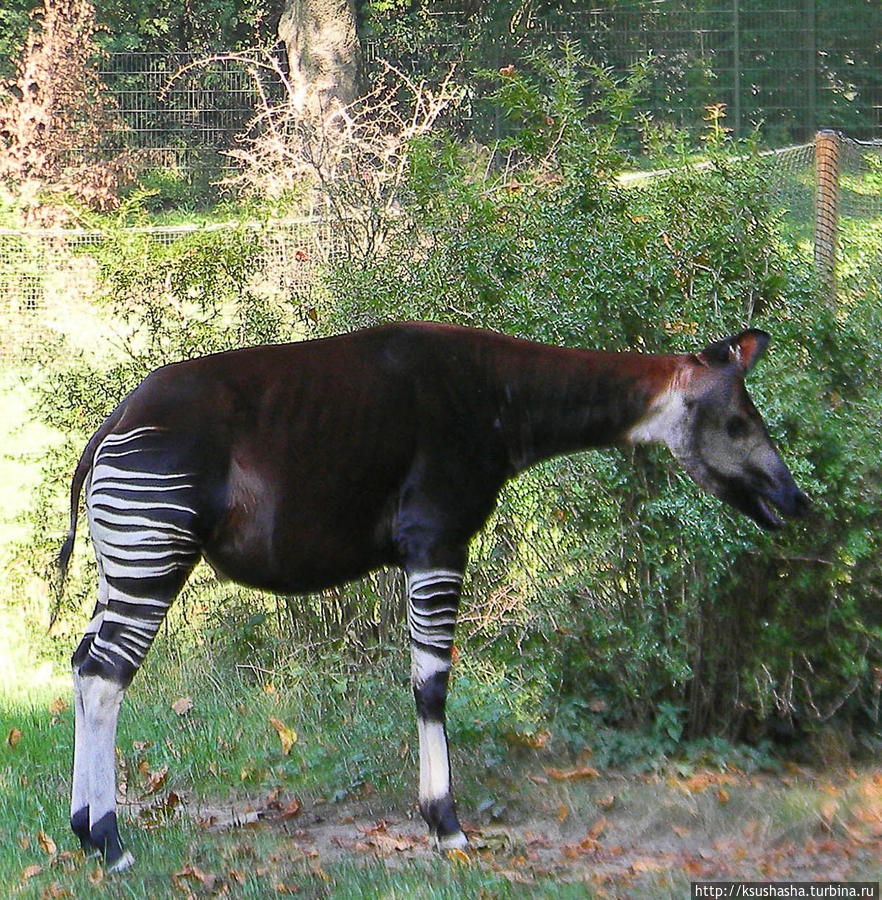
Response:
column 737, row 427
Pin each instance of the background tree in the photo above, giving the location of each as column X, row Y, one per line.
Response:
column 324, row 55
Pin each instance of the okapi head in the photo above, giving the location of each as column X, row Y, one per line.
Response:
column 721, row 440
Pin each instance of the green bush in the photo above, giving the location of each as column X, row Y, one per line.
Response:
column 652, row 596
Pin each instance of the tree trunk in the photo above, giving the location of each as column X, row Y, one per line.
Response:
column 324, row 56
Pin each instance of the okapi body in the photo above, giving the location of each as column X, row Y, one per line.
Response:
column 296, row 467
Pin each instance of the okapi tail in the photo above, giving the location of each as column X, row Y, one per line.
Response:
column 58, row 575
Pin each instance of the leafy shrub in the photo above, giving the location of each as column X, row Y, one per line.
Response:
column 662, row 598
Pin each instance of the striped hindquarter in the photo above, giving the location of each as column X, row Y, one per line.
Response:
column 141, row 516
column 433, row 601
column 141, row 521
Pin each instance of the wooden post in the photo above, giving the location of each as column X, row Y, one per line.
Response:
column 827, row 146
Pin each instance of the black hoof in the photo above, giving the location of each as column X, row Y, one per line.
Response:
column 79, row 825
column 444, row 828
column 104, row 835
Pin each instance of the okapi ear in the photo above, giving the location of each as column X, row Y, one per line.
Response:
column 744, row 349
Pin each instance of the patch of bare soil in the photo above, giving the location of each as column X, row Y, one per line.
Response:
column 615, row 832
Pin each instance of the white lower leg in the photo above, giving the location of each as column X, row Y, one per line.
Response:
column 436, row 799
column 79, row 793
column 102, row 699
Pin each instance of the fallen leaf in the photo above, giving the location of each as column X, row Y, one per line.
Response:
column 459, row 856
column 606, row 802
column 13, row 737
column 182, row 705
column 571, row 774
column 46, row 843
column 155, row 780
column 287, row 735
column 723, row 795
column 828, row 810
column 598, row 828
column 680, row 831
column 562, row 814
column 55, row 891
column 647, row 865
column 193, row 873
column 294, row 808
column 58, row 705
column 30, row 871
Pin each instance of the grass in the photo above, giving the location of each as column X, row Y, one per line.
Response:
column 539, row 830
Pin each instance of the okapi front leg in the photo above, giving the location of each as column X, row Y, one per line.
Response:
column 433, row 600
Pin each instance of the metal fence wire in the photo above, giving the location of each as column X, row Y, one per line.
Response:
column 49, row 279
column 791, row 65
column 184, row 108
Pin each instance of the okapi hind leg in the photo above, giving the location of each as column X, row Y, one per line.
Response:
column 433, row 600
column 102, row 698
column 79, row 795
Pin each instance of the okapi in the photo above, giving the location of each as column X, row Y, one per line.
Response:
column 296, row 467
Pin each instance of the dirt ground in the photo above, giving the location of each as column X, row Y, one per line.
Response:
column 615, row 831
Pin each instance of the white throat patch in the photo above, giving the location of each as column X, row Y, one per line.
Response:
column 662, row 421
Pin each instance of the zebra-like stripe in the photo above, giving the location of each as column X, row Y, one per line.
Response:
column 141, row 523
column 433, row 600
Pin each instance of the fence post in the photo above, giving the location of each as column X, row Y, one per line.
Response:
column 827, row 146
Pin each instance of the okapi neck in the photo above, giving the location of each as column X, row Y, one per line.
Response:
column 570, row 400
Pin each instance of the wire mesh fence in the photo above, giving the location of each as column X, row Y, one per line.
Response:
column 49, row 278
column 185, row 109
column 793, row 65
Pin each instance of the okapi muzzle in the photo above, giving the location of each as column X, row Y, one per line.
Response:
column 297, row 467
column 722, row 441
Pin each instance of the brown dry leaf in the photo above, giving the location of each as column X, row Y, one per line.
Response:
column 55, row 891
column 680, row 831
column 606, row 802
column 294, row 808
column 723, row 795
column 287, row 735
column 13, row 737
column 829, row 806
column 182, row 705
column 46, row 843
column 538, row 779
column 144, row 768
column 647, row 865
column 193, row 873
column 571, row 774
column 58, row 705
column 598, row 828
column 694, row 869
column 156, row 780
column 562, row 813
column 281, row 888
column 459, row 856
column 30, row 871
